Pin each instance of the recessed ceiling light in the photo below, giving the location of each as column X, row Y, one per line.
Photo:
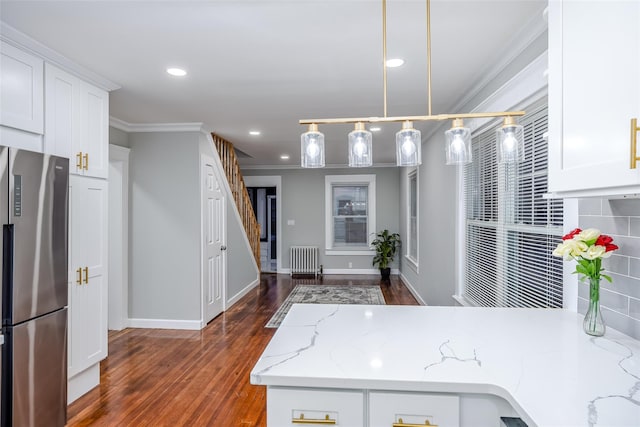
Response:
column 254, row 132
column 375, row 129
column 285, row 157
column 396, row 62
column 178, row 72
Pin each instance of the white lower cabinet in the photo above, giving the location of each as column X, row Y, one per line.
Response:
column 87, row 279
column 294, row 406
column 388, row 409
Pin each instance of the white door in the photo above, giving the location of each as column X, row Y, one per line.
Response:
column 214, row 240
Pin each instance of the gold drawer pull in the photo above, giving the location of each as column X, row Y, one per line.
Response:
column 86, row 274
column 79, row 273
column 79, row 160
column 85, row 165
column 634, row 143
column 303, row 420
column 400, row 423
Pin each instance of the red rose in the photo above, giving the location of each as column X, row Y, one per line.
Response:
column 604, row 240
column 572, row 234
column 611, row 247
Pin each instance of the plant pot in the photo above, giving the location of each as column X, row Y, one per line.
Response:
column 385, row 272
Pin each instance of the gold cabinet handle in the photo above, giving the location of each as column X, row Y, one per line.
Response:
column 86, row 275
column 302, row 420
column 79, row 273
column 85, row 164
column 634, row 143
column 400, row 423
column 79, row 160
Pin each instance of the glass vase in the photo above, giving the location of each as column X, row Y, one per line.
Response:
column 593, row 323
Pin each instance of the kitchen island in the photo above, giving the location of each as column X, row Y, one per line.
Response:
column 536, row 364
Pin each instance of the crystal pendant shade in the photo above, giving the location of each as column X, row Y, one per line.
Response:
column 360, row 154
column 458, row 145
column 510, row 142
column 408, row 146
column 312, row 148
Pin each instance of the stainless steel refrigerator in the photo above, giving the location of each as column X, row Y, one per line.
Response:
column 34, row 191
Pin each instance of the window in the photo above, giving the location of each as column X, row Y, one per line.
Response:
column 510, row 228
column 412, row 218
column 350, row 213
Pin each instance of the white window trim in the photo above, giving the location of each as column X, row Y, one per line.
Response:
column 329, row 181
column 411, row 262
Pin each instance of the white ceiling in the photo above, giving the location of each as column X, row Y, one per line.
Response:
column 264, row 65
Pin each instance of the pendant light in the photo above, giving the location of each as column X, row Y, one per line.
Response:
column 312, row 148
column 458, row 145
column 510, row 141
column 408, row 145
column 408, row 140
column 360, row 154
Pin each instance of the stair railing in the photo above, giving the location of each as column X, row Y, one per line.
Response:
column 240, row 195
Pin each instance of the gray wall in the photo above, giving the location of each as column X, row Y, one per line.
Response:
column 438, row 203
column 164, row 226
column 620, row 300
column 303, row 196
column 118, row 137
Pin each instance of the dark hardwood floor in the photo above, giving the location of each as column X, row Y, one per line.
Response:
column 156, row 377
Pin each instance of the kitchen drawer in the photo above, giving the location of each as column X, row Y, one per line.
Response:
column 288, row 406
column 400, row 409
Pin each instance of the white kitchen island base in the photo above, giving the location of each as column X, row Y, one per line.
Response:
column 370, row 365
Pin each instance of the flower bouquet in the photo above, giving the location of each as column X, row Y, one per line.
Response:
column 588, row 247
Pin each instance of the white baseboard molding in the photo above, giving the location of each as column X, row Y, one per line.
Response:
column 234, row 299
column 192, row 325
column 81, row 383
column 413, row 291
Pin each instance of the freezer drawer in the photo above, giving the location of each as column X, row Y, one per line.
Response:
column 34, row 382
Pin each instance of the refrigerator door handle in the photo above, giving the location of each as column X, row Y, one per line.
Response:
column 8, row 233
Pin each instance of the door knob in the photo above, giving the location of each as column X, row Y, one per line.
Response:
column 223, row 248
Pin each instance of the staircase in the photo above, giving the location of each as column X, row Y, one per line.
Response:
column 239, row 190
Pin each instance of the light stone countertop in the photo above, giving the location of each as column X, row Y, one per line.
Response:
column 539, row 360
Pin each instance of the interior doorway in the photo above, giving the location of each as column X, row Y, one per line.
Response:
column 265, row 194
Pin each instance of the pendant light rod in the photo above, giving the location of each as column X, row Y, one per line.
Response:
column 435, row 117
column 384, row 56
column 428, row 56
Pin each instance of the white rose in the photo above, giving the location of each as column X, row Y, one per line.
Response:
column 593, row 252
column 588, row 234
column 569, row 249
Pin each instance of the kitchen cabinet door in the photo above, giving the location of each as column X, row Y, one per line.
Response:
column 291, row 406
column 391, row 408
column 87, row 272
column 60, row 130
column 77, row 122
column 21, row 85
column 594, row 92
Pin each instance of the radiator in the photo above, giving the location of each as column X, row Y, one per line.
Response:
column 304, row 260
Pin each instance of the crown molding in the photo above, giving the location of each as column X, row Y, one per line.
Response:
column 22, row 41
column 157, row 127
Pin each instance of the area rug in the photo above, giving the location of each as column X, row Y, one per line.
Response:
column 327, row 294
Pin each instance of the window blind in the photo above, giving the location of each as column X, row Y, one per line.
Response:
column 510, row 229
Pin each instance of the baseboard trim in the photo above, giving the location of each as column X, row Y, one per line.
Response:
column 191, row 325
column 234, row 299
column 413, row 291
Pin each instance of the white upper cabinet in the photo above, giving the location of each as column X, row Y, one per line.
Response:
column 594, row 92
column 77, row 122
column 21, row 89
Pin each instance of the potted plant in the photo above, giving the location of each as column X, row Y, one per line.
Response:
column 386, row 244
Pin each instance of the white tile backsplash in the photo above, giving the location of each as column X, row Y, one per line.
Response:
column 620, row 300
